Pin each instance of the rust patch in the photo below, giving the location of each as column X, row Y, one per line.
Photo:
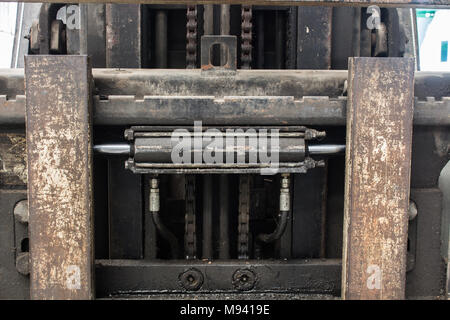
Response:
column 59, row 135
column 377, row 181
column 13, row 165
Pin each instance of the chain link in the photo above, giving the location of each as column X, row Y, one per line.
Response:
column 244, row 216
column 191, row 37
column 246, row 37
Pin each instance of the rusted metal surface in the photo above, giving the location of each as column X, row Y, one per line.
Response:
column 183, row 110
column 59, row 137
column 377, row 181
column 177, row 97
column 13, row 166
column 123, row 34
column 140, row 276
column 314, row 31
column 383, row 3
column 181, row 82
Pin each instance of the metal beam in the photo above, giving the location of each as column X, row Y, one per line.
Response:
column 177, row 97
column 377, row 177
column 141, row 277
column 181, row 82
column 381, row 3
column 59, row 161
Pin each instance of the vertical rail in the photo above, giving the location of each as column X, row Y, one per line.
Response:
column 260, row 40
column 224, row 29
column 280, row 44
column 125, row 203
column 207, row 216
column 314, row 38
column 224, row 239
column 59, row 159
column 208, row 22
column 377, row 177
column 123, row 34
column 161, row 38
column 356, row 35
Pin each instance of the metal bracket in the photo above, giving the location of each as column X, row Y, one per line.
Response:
column 229, row 42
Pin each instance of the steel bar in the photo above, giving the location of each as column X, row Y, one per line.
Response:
column 123, row 31
column 140, row 277
column 314, row 31
column 297, row 98
column 224, row 234
column 113, row 149
column 260, row 40
column 381, row 3
column 161, row 38
column 126, row 110
column 208, row 19
column 326, row 149
column 377, row 177
column 224, row 30
column 183, row 83
column 207, row 243
column 59, row 160
column 280, row 39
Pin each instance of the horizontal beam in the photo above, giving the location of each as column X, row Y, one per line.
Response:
column 139, row 276
column 316, row 110
column 381, row 3
column 126, row 110
column 253, row 97
column 182, row 82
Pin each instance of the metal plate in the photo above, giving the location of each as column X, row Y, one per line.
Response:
column 59, row 150
column 377, row 181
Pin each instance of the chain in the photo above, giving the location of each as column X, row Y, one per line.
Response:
column 244, row 216
column 191, row 36
column 246, row 37
column 189, row 233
